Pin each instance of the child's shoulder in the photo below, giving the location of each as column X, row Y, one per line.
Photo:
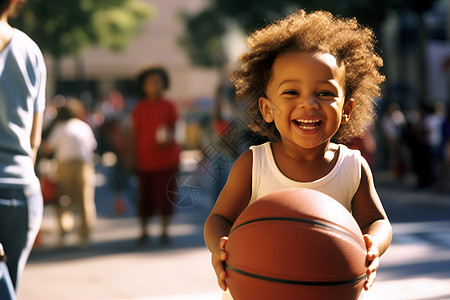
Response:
column 344, row 150
column 246, row 158
column 243, row 165
column 261, row 146
column 240, row 177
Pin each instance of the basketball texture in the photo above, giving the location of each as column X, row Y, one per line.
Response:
column 296, row 244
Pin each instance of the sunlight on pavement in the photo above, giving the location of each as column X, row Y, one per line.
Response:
column 410, row 289
column 201, row 296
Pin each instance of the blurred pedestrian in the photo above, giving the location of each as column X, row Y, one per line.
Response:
column 433, row 122
column 416, row 135
column 113, row 136
column 22, row 103
column 366, row 144
column 113, row 142
column 444, row 185
column 393, row 123
column 157, row 154
column 73, row 143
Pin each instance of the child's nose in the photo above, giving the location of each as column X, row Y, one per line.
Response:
column 308, row 102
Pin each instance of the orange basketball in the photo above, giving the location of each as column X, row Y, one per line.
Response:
column 296, row 244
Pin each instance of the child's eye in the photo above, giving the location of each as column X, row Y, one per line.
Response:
column 291, row 93
column 326, row 94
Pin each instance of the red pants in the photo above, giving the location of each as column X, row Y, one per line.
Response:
column 154, row 198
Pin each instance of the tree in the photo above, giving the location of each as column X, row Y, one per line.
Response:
column 202, row 38
column 204, row 30
column 68, row 27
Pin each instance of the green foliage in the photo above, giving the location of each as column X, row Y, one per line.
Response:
column 68, row 27
column 115, row 26
column 203, row 37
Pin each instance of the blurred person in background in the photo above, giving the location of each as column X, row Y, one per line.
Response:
column 393, row 123
column 22, row 104
column 156, row 153
column 113, row 139
column 416, row 135
column 366, row 144
column 73, row 143
column 433, row 122
column 444, row 184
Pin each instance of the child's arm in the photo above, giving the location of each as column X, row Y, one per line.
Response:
column 231, row 202
column 371, row 217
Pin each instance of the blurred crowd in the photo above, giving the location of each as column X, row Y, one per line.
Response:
column 407, row 143
column 417, row 142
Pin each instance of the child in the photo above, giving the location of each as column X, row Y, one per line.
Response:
column 156, row 152
column 306, row 80
column 73, row 143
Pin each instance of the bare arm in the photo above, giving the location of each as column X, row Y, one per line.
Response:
column 36, row 133
column 231, row 202
column 373, row 221
column 369, row 212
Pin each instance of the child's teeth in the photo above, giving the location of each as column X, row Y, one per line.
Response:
column 306, row 121
column 301, row 123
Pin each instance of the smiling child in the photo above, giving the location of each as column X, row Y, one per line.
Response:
column 309, row 81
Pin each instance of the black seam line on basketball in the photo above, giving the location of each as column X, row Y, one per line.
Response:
column 300, row 220
column 296, row 282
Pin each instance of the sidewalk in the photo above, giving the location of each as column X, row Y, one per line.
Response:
column 404, row 191
column 116, row 268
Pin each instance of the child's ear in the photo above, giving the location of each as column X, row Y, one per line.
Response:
column 347, row 110
column 266, row 109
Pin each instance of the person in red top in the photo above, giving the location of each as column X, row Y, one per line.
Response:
column 156, row 153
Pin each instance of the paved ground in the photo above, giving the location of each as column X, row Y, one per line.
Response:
column 115, row 267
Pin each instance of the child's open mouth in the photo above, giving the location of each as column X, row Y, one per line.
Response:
column 307, row 124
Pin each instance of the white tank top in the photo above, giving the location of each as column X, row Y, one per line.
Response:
column 341, row 182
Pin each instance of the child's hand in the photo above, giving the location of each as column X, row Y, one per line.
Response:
column 373, row 261
column 219, row 256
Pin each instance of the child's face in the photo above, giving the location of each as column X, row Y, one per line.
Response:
column 305, row 98
column 153, row 86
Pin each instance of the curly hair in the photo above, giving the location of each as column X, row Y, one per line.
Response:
column 150, row 71
column 320, row 31
column 6, row 4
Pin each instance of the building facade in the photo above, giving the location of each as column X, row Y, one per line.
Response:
column 99, row 71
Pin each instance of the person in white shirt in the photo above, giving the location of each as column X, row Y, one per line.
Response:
column 73, row 143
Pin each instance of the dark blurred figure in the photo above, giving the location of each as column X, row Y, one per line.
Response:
column 156, row 153
column 416, row 135
column 22, row 104
column 113, row 139
column 444, row 184
column 366, row 144
column 392, row 125
column 433, row 122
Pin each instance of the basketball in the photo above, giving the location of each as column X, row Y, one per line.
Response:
column 295, row 244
